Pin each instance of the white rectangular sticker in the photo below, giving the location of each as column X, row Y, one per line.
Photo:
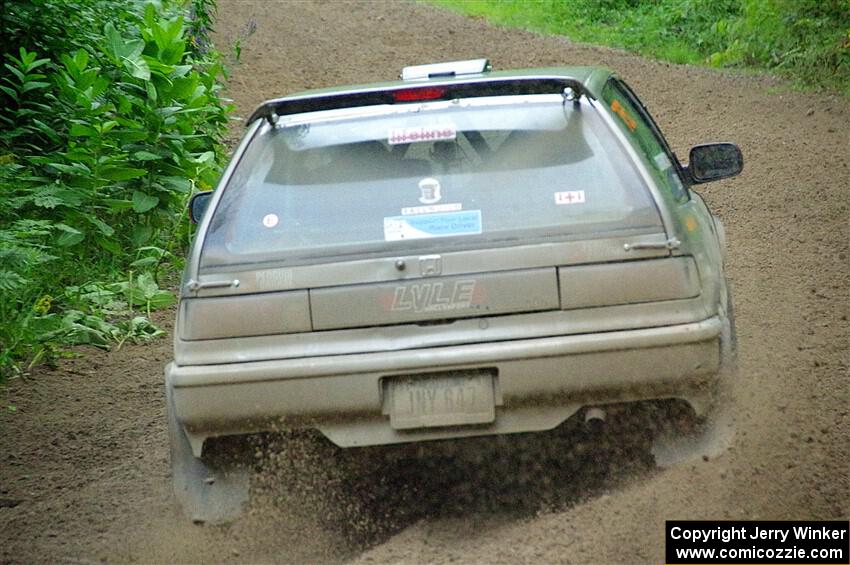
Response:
column 432, row 209
column 397, row 228
column 413, row 135
column 569, row 197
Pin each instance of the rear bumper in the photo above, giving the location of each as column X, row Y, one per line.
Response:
column 539, row 382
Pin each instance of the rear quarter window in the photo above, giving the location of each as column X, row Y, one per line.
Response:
column 637, row 126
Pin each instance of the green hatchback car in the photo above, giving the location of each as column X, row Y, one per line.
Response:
column 462, row 252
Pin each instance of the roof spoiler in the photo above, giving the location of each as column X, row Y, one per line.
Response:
column 571, row 89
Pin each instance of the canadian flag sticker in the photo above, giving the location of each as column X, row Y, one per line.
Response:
column 569, row 197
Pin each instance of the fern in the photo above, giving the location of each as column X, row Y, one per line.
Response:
column 10, row 281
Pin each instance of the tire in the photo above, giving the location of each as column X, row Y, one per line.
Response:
column 715, row 430
column 210, row 490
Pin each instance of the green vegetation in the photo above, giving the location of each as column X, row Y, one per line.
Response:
column 110, row 117
column 805, row 40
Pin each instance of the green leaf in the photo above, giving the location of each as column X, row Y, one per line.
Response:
column 128, row 123
column 157, row 67
column 143, row 202
column 29, row 60
column 137, row 67
column 121, row 173
column 204, row 157
column 184, row 87
column 32, row 85
column 10, row 280
column 124, row 104
column 48, row 201
column 21, row 76
column 119, row 48
column 144, row 261
column 140, row 328
column 72, row 169
column 181, row 70
column 66, row 228
column 81, row 59
column 130, row 136
column 162, row 299
column 116, row 205
column 70, row 197
column 114, row 42
column 142, row 233
column 146, row 156
column 102, row 226
column 180, row 184
column 99, row 86
column 168, row 111
column 110, row 245
column 46, row 130
column 152, row 95
column 147, row 285
column 106, row 126
column 67, row 239
column 81, row 130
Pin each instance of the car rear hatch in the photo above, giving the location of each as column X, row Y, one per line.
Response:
column 430, row 213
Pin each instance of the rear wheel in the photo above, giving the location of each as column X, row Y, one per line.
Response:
column 712, row 433
column 212, row 489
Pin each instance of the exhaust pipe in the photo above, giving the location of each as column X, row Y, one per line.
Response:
column 594, row 419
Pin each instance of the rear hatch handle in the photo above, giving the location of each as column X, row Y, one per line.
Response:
column 670, row 244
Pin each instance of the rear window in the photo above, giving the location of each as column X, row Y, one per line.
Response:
column 493, row 172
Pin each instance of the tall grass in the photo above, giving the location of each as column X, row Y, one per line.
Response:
column 805, row 40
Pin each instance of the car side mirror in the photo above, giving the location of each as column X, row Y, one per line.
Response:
column 198, row 205
column 714, row 161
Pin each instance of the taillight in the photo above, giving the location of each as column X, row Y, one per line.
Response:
column 224, row 317
column 628, row 282
column 419, row 94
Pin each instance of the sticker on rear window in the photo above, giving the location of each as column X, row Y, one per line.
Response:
column 624, row 115
column 430, row 191
column 433, row 209
column 413, row 135
column 663, row 161
column 423, row 226
column 569, row 197
column 270, row 220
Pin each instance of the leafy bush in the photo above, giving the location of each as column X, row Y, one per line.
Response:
column 107, row 126
column 806, row 40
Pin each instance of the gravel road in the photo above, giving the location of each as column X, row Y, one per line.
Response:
column 84, row 474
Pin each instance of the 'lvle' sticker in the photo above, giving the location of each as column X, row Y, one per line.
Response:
column 270, row 220
column 397, row 228
column 569, row 197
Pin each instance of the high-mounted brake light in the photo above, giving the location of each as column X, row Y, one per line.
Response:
column 452, row 69
column 418, row 94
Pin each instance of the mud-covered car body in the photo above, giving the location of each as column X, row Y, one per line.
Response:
column 460, row 253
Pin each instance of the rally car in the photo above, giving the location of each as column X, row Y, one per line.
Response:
column 461, row 252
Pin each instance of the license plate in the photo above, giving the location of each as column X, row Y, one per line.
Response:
column 455, row 399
